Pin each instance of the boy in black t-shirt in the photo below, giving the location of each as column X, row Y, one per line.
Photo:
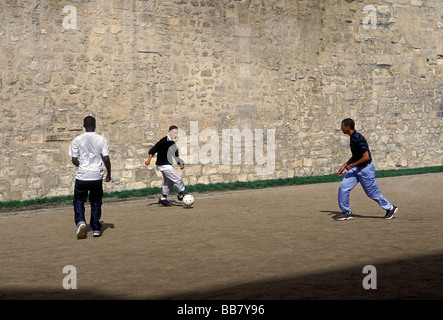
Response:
column 167, row 150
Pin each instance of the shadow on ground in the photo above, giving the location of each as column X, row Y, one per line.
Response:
column 334, row 214
column 416, row 278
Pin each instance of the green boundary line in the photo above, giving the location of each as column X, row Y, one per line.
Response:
column 221, row 186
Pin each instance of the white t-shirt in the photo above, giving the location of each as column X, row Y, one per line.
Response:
column 89, row 148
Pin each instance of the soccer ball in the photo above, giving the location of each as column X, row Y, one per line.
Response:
column 188, row 200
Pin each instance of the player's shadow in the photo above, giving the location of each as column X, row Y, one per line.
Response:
column 334, row 214
column 105, row 226
column 175, row 203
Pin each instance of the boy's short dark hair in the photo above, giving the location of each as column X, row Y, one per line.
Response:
column 349, row 123
column 172, row 128
column 89, row 122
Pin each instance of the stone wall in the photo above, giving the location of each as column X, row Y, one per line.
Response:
column 292, row 68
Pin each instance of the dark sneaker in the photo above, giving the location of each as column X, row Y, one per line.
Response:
column 344, row 216
column 180, row 197
column 164, row 202
column 390, row 213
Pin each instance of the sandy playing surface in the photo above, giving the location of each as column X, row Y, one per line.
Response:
column 276, row 243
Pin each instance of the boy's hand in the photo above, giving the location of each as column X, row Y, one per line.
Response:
column 147, row 162
column 182, row 166
column 343, row 168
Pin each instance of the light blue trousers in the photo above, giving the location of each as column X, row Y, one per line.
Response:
column 366, row 176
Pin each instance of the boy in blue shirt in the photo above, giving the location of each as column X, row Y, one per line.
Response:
column 360, row 169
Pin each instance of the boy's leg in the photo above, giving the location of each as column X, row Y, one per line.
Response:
column 166, row 189
column 349, row 182
column 95, row 198
column 174, row 178
column 80, row 196
column 178, row 182
column 370, row 186
column 167, row 184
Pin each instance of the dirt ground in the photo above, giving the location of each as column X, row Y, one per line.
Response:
column 276, row 243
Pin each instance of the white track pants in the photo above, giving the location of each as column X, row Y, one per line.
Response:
column 171, row 178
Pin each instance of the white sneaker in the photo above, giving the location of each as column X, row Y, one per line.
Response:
column 81, row 231
column 96, row 233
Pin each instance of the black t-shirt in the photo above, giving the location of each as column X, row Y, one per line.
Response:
column 359, row 146
column 166, row 151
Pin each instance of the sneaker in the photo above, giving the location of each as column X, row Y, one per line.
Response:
column 390, row 213
column 344, row 216
column 164, row 202
column 81, row 231
column 180, row 197
column 96, row 233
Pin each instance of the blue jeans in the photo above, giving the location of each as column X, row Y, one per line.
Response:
column 364, row 174
column 95, row 190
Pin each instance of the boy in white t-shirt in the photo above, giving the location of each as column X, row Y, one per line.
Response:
column 89, row 152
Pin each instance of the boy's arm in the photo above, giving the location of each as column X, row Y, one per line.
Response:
column 362, row 160
column 107, row 163
column 345, row 166
column 349, row 161
column 178, row 159
column 148, row 162
column 151, row 153
column 351, row 164
column 75, row 161
column 106, row 159
column 73, row 152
